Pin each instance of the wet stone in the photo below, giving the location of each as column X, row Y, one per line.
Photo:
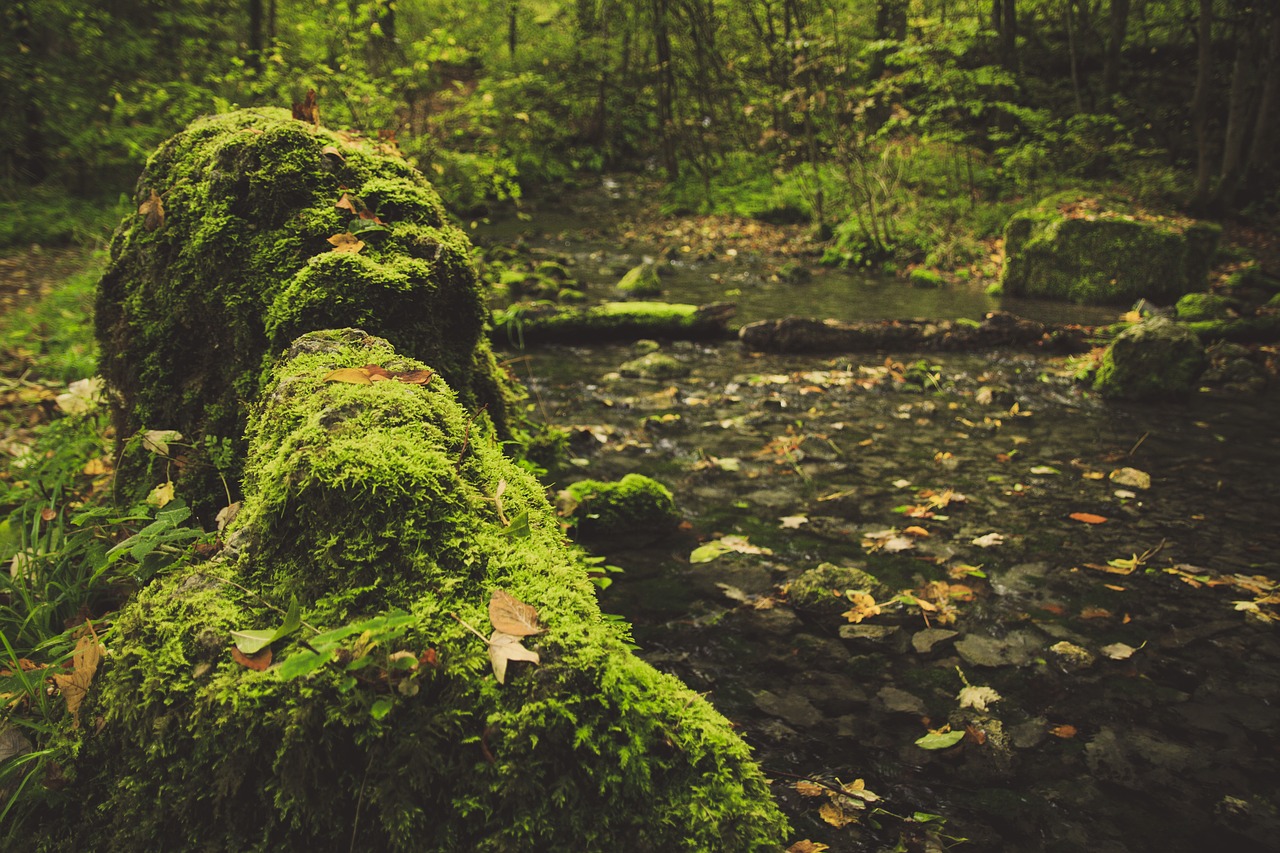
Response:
column 898, row 701
column 1030, row 734
column 791, row 708
column 1016, row 649
column 1071, row 657
column 881, row 635
column 775, row 622
column 924, row 641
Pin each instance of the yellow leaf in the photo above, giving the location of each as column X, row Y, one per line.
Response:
column 836, row 815
column 345, row 242
column 350, row 375
column 75, row 686
column 161, row 495
column 504, row 648
column 510, row 615
column 809, row 789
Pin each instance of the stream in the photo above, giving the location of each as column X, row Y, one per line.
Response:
column 1081, row 592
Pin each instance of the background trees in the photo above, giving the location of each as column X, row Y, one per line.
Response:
column 817, row 109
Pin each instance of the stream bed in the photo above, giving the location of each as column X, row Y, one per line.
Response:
column 1083, row 593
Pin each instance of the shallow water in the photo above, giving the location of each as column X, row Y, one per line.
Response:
column 1154, row 728
column 1171, row 748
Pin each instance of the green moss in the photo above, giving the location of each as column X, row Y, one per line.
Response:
column 1204, row 306
column 363, row 499
column 654, row 365
column 1084, row 250
column 1154, row 359
column 610, row 321
column 641, row 280
column 635, row 507
column 921, row 277
column 192, row 307
column 823, row 588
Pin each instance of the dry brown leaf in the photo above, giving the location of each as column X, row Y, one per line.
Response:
column 153, row 210
column 1064, row 731
column 332, row 151
column 915, row 530
column 810, row 789
column 345, row 242
column 413, row 377
column 75, row 685
column 1087, row 518
column 506, row 647
column 834, row 814
column 350, row 375
column 510, row 615
column 807, row 846
column 346, row 203
column 257, row 662
column 307, row 110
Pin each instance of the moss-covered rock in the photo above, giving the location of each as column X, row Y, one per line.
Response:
column 634, row 510
column 536, row 323
column 248, row 238
column 1154, row 359
column 641, row 280
column 654, row 365
column 823, row 588
column 1076, row 248
column 385, row 501
column 1204, row 306
column 925, row 278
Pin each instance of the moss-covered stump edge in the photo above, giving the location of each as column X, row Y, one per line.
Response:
column 366, row 500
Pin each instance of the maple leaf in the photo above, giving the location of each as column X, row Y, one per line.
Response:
column 506, row 647
column 510, row 615
column 153, row 210
column 864, row 606
column 977, row 698
column 75, row 685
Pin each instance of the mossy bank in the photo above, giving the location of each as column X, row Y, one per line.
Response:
column 367, row 501
column 253, row 228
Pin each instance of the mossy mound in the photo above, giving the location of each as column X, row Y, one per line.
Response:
column 1205, row 306
column 366, row 501
column 641, row 280
column 654, row 365
column 635, row 509
column 1078, row 248
column 1154, row 359
column 255, row 229
column 823, row 588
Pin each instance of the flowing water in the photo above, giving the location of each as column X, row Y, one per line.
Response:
column 1113, row 616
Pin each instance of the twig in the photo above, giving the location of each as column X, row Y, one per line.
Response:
column 466, row 435
column 467, row 625
column 261, row 600
column 355, row 821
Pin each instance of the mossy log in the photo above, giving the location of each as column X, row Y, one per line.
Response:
column 254, row 228
column 364, row 500
column 611, row 321
column 997, row 329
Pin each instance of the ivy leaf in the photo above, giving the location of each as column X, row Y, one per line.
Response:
column 506, row 647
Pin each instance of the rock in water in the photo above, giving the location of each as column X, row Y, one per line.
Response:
column 383, row 501
column 255, row 228
column 1154, row 359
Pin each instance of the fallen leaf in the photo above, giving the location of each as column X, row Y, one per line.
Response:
column 332, row 151
column 864, row 606
column 1063, row 731
column 792, row 522
column 810, row 789
column 510, row 615
column 807, row 846
column 257, row 662
column 504, row 648
column 96, row 467
column 413, row 377
column 345, row 242
column 1087, row 518
column 153, row 210
column 157, row 440
column 161, row 495
column 350, row 375
column 837, row 815
column 48, row 514
column 916, row 531
column 1095, row 613
column 1118, row 651
column 1131, row 477
column 940, row 739
column 724, row 545
column 226, row 515
column 977, row 698
column 75, row 685
column 1044, row 470
column 989, row 541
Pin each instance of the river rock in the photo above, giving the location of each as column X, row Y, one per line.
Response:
column 1016, row 649
column 790, row 707
column 1154, row 359
column 1082, row 249
column 641, row 280
column 924, row 641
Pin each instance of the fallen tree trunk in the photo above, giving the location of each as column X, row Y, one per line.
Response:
column 381, row 521
column 523, row 324
column 998, row 329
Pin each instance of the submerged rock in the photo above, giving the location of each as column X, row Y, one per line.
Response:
column 1074, row 247
column 382, row 511
column 1154, row 359
column 253, row 229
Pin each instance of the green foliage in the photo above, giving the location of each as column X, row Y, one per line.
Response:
column 47, row 216
column 54, row 333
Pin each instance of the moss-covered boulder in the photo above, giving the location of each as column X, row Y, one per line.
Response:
column 391, row 518
column 654, row 365
column 825, row 588
column 1154, row 359
column 641, row 280
column 1077, row 248
column 254, row 228
column 632, row 511
column 1205, row 306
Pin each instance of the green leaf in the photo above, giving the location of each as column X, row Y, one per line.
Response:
column 519, row 526
column 303, row 663
column 708, row 552
column 381, row 708
column 252, row 642
column 935, row 740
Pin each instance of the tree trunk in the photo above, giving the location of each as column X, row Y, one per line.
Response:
column 1242, row 107
column 891, row 23
column 1009, row 35
column 1115, row 46
column 1200, row 104
column 666, row 89
column 1261, row 161
column 254, row 59
column 512, row 14
column 1067, row 17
